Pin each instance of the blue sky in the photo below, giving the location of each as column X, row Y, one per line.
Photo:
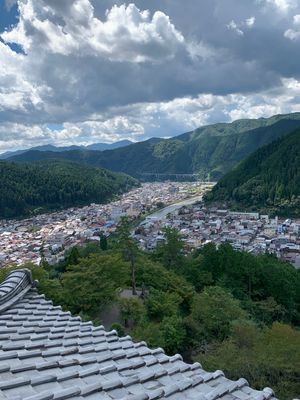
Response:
column 8, row 17
column 86, row 71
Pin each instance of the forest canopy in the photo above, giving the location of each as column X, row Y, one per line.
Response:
column 27, row 189
column 228, row 309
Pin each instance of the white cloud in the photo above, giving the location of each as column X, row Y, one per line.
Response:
column 250, row 22
column 132, row 73
column 239, row 28
column 126, row 34
column 190, row 113
column 105, row 130
column 235, row 27
column 16, row 91
column 145, row 119
column 282, row 6
column 294, row 34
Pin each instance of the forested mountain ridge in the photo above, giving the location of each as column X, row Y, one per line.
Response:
column 268, row 180
column 210, row 151
column 50, row 185
column 58, row 149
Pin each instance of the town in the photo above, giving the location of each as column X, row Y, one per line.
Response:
column 247, row 231
column 157, row 205
column 49, row 236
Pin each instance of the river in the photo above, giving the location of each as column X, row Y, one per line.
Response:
column 161, row 214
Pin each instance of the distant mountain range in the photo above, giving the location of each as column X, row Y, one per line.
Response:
column 50, row 185
column 55, row 149
column 268, row 180
column 209, row 151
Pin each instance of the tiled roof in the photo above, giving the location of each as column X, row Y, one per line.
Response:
column 46, row 353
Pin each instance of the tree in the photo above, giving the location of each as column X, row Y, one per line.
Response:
column 132, row 310
column 173, row 334
column 268, row 357
column 91, row 284
column 119, row 328
column 170, row 252
column 213, row 312
column 162, row 304
column 73, row 257
column 129, row 249
column 103, row 242
column 155, row 276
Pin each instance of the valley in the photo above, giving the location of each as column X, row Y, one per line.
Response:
column 47, row 237
column 209, row 151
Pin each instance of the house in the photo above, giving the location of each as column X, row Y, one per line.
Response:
column 47, row 354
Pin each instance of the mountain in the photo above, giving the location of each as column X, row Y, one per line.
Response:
column 27, row 189
column 268, row 180
column 108, row 146
column 50, row 147
column 210, row 151
column 47, row 147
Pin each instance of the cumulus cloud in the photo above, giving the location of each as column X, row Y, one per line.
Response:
column 207, row 109
column 294, row 34
column 127, row 34
column 110, row 69
column 167, row 118
column 20, row 136
column 16, row 92
column 283, row 6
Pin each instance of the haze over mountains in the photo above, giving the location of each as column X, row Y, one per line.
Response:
column 57, row 149
column 209, row 151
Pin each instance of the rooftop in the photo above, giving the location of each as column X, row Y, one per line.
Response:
column 46, row 353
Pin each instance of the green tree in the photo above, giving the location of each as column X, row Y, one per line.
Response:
column 162, row 304
column 73, row 257
column 91, row 284
column 132, row 310
column 268, row 357
column 213, row 312
column 103, row 242
column 170, row 252
column 129, row 249
column 119, row 328
column 173, row 334
column 155, row 276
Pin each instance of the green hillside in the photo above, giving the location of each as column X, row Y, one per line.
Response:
column 210, row 151
column 27, row 188
column 268, row 180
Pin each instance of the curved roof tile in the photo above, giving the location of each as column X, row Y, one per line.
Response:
column 46, row 353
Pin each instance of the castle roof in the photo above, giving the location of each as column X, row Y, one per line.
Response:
column 46, row 353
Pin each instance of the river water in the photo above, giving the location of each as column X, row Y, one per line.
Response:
column 161, row 214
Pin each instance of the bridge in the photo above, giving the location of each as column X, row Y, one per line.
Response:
column 175, row 176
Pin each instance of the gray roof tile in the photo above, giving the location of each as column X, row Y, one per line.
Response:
column 47, row 354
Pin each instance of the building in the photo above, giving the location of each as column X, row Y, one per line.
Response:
column 46, row 353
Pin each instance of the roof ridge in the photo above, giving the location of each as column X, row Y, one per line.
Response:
column 14, row 287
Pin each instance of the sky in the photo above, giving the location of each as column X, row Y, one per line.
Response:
column 87, row 71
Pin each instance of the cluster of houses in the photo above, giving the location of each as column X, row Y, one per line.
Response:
column 250, row 232
column 48, row 236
